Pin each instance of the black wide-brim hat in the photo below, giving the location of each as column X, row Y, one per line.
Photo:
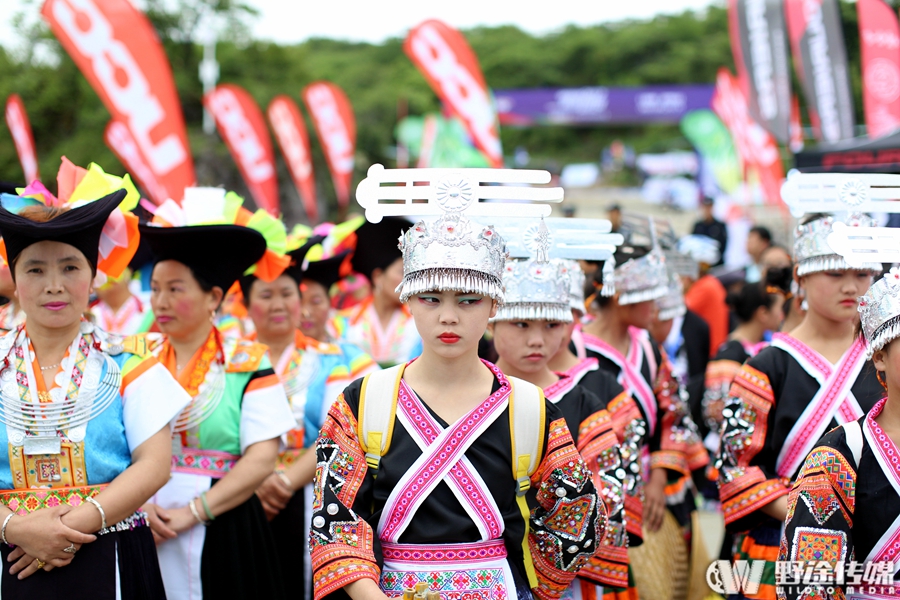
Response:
column 218, row 254
column 79, row 227
column 295, row 270
column 378, row 245
column 327, row 271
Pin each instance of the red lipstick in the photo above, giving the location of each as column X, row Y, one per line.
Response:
column 448, row 338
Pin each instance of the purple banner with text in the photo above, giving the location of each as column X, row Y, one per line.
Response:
column 598, row 105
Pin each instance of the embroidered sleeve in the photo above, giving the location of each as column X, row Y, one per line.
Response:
column 680, row 448
column 598, row 445
column 569, row 522
column 341, row 542
column 745, row 483
column 719, row 376
column 818, row 524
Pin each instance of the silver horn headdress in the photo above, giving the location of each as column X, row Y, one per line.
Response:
column 849, row 197
column 453, row 252
column 814, row 253
column 567, row 240
column 879, row 312
column 536, row 289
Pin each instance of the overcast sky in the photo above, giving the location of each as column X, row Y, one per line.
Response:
column 291, row 21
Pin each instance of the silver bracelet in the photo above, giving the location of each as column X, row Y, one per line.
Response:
column 3, row 529
column 196, row 513
column 100, row 508
column 285, row 480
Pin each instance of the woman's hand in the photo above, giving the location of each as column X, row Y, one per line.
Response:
column 181, row 519
column 655, row 500
column 24, row 565
column 274, row 495
column 159, row 523
column 42, row 535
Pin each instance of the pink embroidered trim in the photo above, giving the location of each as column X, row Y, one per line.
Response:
column 203, row 462
column 554, row 393
column 459, row 437
column 632, row 380
column 890, row 456
column 450, row 553
column 817, row 360
column 584, row 367
column 833, row 400
column 460, row 475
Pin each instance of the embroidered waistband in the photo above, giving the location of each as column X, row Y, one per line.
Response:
column 203, row 462
column 23, row 502
column 452, row 553
column 138, row 519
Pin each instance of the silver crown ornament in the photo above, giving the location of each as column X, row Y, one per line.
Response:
column 672, row 304
column 642, row 279
column 535, row 291
column 562, row 238
column 841, row 192
column 813, row 252
column 577, row 280
column 453, row 253
column 879, row 312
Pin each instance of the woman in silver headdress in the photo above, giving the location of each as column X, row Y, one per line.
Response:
column 528, row 331
column 618, row 338
column 848, row 521
column 787, row 396
column 450, row 455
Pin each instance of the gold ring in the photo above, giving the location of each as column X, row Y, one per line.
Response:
column 40, row 564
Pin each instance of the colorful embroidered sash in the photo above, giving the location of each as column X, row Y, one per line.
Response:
column 213, row 463
column 443, row 459
column 630, row 373
column 23, row 502
column 834, row 400
column 477, row 571
column 445, row 553
column 888, row 456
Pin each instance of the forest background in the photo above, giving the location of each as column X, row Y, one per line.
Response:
column 68, row 118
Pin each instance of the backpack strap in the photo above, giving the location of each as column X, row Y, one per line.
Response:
column 854, row 435
column 527, row 423
column 377, row 408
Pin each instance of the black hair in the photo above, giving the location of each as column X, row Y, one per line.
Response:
column 753, row 296
column 762, row 232
column 813, row 217
column 246, row 283
column 203, row 283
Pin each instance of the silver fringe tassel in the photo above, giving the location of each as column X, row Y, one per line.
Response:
column 654, row 293
column 833, row 262
column 608, row 288
column 667, row 314
column 452, row 280
column 884, row 335
column 534, row 311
